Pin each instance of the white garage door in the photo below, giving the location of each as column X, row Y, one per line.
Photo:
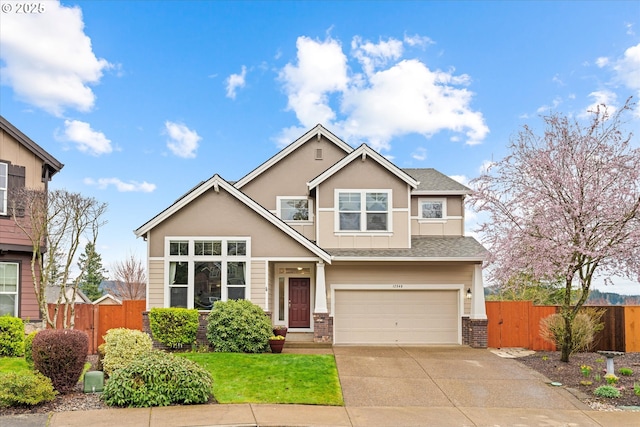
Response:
column 396, row 317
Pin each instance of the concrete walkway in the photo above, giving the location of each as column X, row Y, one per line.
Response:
column 389, row 386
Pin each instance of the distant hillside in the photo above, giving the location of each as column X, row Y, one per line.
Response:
column 609, row 298
column 596, row 297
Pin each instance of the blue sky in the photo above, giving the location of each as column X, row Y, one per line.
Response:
column 143, row 100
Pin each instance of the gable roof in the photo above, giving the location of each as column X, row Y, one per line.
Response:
column 217, row 182
column 52, row 293
column 433, row 182
column 51, row 164
column 107, row 297
column 423, row 248
column 363, row 152
column 317, row 132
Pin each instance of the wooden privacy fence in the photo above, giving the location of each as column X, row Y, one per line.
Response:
column 96, row 320
column 517, row 324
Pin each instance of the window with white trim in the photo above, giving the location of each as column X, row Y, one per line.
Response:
column 294, row 209
column 4, row 187
column 202, row 271
column 363, row 211
column 9, row 288
column 431, row 208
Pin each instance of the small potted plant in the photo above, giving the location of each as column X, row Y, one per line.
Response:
column 280, row 330
column 276, row 342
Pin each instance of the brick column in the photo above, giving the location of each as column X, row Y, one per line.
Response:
column 322, row 327
column 478, row 333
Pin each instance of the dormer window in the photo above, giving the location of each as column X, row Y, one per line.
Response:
column 432, row 209
column 294, row 209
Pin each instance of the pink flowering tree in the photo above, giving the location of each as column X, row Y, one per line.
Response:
column 563, row 205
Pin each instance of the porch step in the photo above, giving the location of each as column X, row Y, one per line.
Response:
column 303, row 340
column 305, row 344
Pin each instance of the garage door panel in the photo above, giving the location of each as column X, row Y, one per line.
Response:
column 404, row 317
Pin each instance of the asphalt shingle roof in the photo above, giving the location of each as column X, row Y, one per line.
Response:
column 432, row 180
column 422, row 247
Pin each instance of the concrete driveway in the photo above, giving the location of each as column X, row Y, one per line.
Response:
column 449, row 386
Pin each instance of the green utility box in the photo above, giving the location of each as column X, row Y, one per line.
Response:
column 93, row 382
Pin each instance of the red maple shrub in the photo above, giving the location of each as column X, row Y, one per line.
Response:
column 60, row 355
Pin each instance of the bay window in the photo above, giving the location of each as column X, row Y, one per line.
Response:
column 362, row 211
column 202, row 271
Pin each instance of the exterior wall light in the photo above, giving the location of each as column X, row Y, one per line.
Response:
column 469, row 293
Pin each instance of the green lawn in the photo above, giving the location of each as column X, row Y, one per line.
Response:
column 272, row 378
column 14, row 364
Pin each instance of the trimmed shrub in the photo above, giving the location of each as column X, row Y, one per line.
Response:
column 60, row 354
column 158, row 379
column 584, row 328
column 101, row 352
column 174, row 326
column 238, row 326
column 122, row 346
column 28, row 342
column 25, row 389
column 11, row 336
column 608, row 391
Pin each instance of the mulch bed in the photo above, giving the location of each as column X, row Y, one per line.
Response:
column 569, row 375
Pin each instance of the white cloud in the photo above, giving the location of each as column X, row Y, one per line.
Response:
column 121, row 186
column 320, row 70
column 86, row 139
column 373, row 56
column 235, row 81
column 602, row 61
column 183, row 142
column 545, row 109
column 417, row 40
column 48, row 59
column 420, row 154
column 627, row 68
column 390, row 97
column 601, row 97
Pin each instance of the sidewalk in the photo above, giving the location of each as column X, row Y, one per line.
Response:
column 305, row 415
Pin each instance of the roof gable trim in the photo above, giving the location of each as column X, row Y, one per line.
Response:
column 317, row 132
column 363, row 152
column 216, row 182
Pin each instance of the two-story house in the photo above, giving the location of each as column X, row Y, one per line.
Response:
column 23, row 163
column 327, row 239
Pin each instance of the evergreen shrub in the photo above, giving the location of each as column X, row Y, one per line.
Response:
column 11, row 336
column 122, row 346
column 174, row 326
column 25, row 389
column 238, row 326
column 158, row 379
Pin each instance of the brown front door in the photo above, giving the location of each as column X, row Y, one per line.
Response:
column 299, row 302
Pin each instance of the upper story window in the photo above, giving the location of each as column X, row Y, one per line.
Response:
column 4, row 184
column 294, row 209
column 363, row 210
column 432, row 208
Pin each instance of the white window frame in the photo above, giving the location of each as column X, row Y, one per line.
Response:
column 191, row 258
column 442, row 200
column 4, row 188
column 363, row 211
column 280, row 199
column 17, row 291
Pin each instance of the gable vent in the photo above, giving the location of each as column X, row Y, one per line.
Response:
column 318, row 153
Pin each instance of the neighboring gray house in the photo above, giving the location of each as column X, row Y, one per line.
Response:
column 327, row 239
